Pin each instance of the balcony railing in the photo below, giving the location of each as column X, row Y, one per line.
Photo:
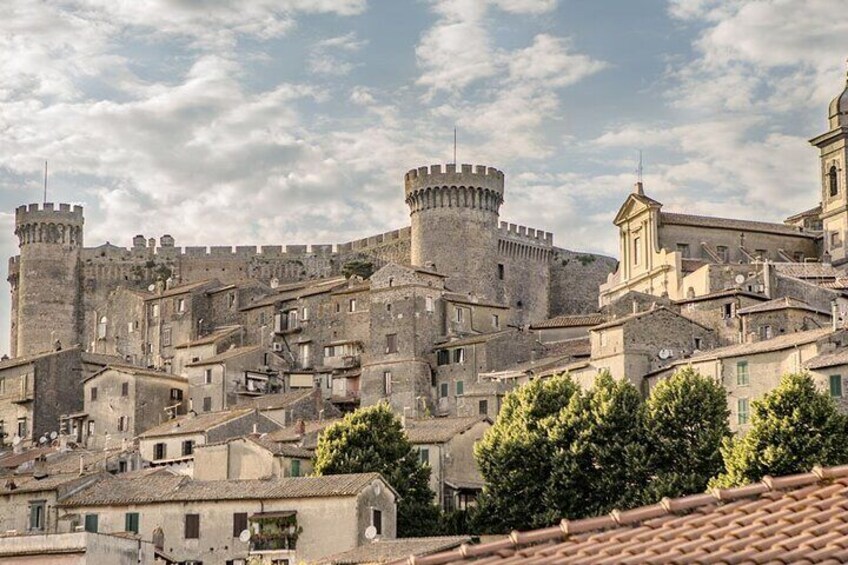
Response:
column 342, row 361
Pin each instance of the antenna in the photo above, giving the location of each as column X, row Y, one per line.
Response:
column 45, row 182
column 454, row 145
column 639, row 169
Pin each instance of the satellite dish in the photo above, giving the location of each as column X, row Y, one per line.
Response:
column 16, row 440
column 244, row 536
column 151, row 288
column 665, row 353
column 739, row 279
column 370, row 533
column 53, row 435
column 42, row 440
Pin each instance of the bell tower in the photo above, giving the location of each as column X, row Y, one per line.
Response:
column 833, row 155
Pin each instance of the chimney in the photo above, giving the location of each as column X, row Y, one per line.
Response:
column 255, row 428
column 39, row 468
column 834, row 315
column 300, row 428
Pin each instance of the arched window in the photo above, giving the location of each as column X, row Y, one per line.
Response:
column 832, row 183
column 101, row 328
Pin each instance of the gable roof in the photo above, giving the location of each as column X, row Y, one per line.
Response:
column 217, row 333
column 722, row 294
column 785, row 303
column 295, row 291
column 791, row 519
column 193, row 424
column 570, row 321
column 154, row 489
column 280, row 400
column 733, row 224
column 226, row 355
column 183, row 288
column 138, row 372
column 474, row 339
column 631, row 198
column 458, row 298
column 807, row 270
column 644, row 314
column 289, row 434
column 440, row 430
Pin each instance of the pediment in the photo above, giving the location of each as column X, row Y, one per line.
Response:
column 633, row 206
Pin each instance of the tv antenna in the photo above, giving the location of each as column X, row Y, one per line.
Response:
column 639, row 169
column 454, row 145
column 45, row 183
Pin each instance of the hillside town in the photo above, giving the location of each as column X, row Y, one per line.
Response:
column 166, row 404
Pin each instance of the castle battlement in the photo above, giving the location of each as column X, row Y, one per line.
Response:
column 523, row 233
column 40, row 212
column 470, row 176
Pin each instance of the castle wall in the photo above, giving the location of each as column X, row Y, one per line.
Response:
column 574, row 281
column 525, row 254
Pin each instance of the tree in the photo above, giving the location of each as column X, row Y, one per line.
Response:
column 515, row 456
column 686, row 424
column 372, row 440
column 793, row 428
column 358, row 267
column 600, row 455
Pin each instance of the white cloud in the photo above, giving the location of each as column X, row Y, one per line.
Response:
column 525, row 6
column 328, row 55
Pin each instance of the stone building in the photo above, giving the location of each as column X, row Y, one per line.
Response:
column 251, row 457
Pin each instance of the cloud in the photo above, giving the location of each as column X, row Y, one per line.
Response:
column 328, row 55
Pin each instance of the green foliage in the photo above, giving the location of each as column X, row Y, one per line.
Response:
column 793, row 428
column 358, row 267
column 372, row 440
column 686, row 424
column 586, row 259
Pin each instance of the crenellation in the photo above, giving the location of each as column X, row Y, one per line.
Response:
column 296, row 249
column 195, row 251
column 246, row 250
column 272, row 250
column 321, row 248
column 220, row 250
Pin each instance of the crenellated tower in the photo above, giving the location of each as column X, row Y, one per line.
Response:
column 454, row 216
column 45, row 278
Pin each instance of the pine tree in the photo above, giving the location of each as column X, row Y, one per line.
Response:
column 793, row 428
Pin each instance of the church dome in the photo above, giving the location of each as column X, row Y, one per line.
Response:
column 838, row 110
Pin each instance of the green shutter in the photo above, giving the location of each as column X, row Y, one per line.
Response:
column 131, row 522
column 91, row 523
column 460, row 387
column 742, row 378
column 295, row 467
column 836, row 386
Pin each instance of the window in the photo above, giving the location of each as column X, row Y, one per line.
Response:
column 292, row 320
column 496, row 321
column 742, row 378
column 2, row 431
column 188, row 447
column 131, row 522
column 192, row 526
column 728, row 310
column 176, row 394
column 351, row 306
column 424, row 455
column 460, row 388
column 22, row 427
column 836, row 386
column 295, row 467
column 722, row 253
column 483, row 407
column 231, row 300
column 766, row 332
column 443, row 390
column 389, row 307
column 683, row 249
column 93, row 393
column 459, row 355
column 123, row 424
column 166, row 336
column 305, row 354
column 101, row 328
column 338, row 307
column 500, row 271
column 698, row 343
column 442, row 357
column 742, row 411
column 239, row 523
column 91, row 523
column 154, row 311
column 130, row 328
column 207, row 403
column 835, row 239
column 391, row 343
column 637, row 244
column 460, row 315
column 159, row 451
column 207, row 376
column 181, row 305
column 91, row 427
column 387, row 383
column 37, row 510
column 602, row 337
column 832, row 181
column 377, row 520
column 305, row 313
column 125, row 389
column 428, row 304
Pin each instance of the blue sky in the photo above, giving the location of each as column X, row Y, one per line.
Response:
column 293, row 121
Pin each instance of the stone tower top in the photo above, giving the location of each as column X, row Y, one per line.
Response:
column 47, row 223
column 469, row 176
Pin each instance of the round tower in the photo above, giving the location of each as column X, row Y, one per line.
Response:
column 48, row 293
column 454, row 216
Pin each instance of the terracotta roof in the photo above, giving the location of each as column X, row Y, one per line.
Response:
column 692, row 265
column 298, row 290
column 807, row 270
column 780, row 304
column 15, row 484
column 183, row 288
column 139, row 372
column 465, row 299
column 155, row 489
column 275, row 447
column 361, row 287
column 784, row 341
column 792, row 519
column 12, row 460
column 226, row 355
column 16, row 361
column 439, row 430
column 645, row 313
column 279, row 400
column 101, row 358
column 193, row 424
column 722, row 294
column 833, row 358
column 536, row 367
column 732, row 224
column 217, row 333
column 384, row 551
column 474, row 339
column 815, row 211
column 289, row 433
column 570, row 321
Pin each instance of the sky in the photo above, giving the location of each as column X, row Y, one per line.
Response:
column 293, row 121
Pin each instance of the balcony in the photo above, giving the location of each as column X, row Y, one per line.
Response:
column 342, row 361
column 274, row 532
